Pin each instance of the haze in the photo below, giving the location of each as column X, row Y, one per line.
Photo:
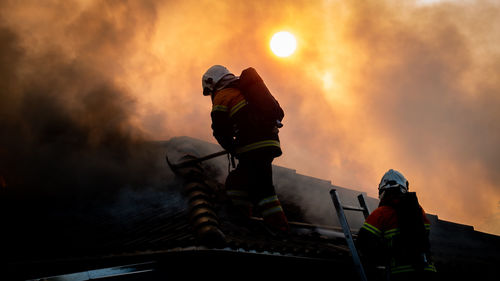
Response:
column 373, row 85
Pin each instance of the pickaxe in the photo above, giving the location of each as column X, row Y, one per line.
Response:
column 191, row 162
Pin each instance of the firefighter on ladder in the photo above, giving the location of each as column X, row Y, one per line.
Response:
column 398, row 233
column 255, row 145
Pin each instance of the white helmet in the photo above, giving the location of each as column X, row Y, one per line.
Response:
column 393, row 179
column 213, row 76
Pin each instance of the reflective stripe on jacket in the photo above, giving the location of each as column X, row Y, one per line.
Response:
column 382, row 225
column 234, row 127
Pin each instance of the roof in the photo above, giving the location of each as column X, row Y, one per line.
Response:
column 153, row 224
column 150, row 227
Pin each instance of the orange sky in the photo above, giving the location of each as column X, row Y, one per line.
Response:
column 373, row 85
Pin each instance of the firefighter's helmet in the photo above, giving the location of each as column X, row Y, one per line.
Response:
column 212, row 78
column 393, row 179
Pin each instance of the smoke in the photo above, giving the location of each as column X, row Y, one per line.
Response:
column 373, row 85
column 71, row 148
column 75, row 164
column 428, row 90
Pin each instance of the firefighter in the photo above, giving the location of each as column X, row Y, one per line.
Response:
column 397, row 232
column 255, row 144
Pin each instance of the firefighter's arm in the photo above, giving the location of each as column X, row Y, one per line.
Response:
column 222, row 129
column 370, row 238
column 369, row 245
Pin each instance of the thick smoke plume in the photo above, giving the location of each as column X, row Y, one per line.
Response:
column 374, row 85
column 67, row 126
column 72, row 153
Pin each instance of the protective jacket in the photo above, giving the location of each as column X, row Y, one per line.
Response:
column 238, row 130
column 255, row 143
column 403, row 244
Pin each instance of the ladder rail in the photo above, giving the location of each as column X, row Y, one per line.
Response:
column 364, row 205
column 347, row 232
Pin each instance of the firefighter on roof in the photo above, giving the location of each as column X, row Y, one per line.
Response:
column 397, row 232
column 249, row 136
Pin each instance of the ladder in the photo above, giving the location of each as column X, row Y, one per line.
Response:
column 345, row 227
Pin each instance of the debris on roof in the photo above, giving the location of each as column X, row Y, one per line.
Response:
column 182, row 218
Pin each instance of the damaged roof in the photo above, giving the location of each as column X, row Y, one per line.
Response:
column 158, row 225
column 175, row 224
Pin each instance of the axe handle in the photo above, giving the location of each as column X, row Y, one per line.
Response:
column 197, row 160
column 213, row 155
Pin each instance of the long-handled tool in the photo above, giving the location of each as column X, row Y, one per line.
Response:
column 195, row 161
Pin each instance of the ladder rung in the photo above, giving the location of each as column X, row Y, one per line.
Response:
column 352, row 208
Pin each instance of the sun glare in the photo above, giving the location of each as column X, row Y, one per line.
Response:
column 283, row 44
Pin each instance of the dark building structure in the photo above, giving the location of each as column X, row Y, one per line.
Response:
column 182, row 227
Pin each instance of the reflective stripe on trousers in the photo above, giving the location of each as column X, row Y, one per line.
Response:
column 239, row 197
column 270, row 205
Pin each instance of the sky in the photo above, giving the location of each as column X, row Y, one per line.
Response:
column 372, row 85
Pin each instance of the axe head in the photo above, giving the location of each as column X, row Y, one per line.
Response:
column 187, row 160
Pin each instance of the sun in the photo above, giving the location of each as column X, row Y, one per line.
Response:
column 283, row 44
